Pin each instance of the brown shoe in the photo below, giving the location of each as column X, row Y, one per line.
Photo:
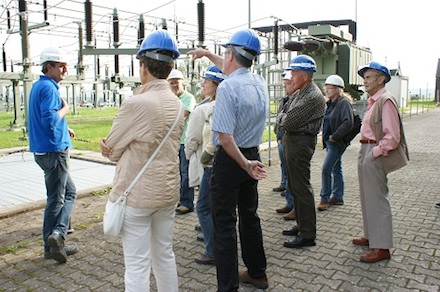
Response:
column 375, row 255
column 258, row 283
column 323, row 206
column 204, row 260
column 283, row 210
column 333, row 201
column 279, row 189
column 290, row 216
column 360, row 241
column 183, row 210
column 283, row 194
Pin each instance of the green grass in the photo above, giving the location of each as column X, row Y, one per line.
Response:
column 90, row 125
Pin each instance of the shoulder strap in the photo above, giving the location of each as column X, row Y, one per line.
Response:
column 147, row 164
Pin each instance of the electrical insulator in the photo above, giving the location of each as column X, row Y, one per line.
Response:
column 115, row 28
column 98, row 66
column 294, row 45
column 45, row 10
column 164, row 24
column 8, row 15
column 141, row 31
column 88, row 15
column 312, row 45
column 201, row 21
column 275, row 38
column 327, row 44
column 4, row 59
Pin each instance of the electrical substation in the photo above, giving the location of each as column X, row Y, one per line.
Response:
column 100, row 81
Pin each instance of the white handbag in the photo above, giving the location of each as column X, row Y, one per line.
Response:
column 115, row 211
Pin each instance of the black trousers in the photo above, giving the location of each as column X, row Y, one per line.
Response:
column 231, row 186
column 298, row 152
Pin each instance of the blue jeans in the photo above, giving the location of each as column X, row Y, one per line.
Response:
column 332, row 178
column 186, row 193
column 288, row 194
column 283, row 182
column 204, row 213
column 61, row 193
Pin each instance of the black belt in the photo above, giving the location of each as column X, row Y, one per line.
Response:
column 299, row 133
column 242, row 150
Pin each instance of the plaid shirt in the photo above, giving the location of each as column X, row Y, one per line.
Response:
column 304, row 111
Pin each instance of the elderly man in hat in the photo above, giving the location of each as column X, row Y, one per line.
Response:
column 383, row 150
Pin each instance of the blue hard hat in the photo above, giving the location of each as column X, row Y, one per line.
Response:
column 159, row 40
column 303, row 63
column 376, row 66
column 214, row 74
column 246, row 39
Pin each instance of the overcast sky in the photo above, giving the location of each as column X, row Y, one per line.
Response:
column 395, row 31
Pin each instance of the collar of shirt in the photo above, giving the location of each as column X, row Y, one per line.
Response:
column 50, row 79
column 241, row 70
column 377, row 94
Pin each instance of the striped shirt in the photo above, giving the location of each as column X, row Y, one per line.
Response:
column 241, row 108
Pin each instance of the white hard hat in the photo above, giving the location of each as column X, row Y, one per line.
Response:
column 175, row 74
column 335, row 80
column 287, row 74
column 53, row 55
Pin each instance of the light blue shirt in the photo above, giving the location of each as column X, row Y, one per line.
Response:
column 241, row 108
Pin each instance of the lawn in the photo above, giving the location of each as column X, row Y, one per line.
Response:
column 90, row 125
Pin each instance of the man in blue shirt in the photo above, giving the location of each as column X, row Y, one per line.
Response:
column 239, row 118
column 49, row 140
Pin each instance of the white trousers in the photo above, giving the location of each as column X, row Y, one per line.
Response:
column 147, row 239
column 376, row 209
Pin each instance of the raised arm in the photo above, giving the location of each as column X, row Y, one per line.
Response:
column 200, row 53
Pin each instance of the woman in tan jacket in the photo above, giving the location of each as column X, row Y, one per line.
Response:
column 141, row 124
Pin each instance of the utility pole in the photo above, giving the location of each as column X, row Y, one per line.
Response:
column 27, row 75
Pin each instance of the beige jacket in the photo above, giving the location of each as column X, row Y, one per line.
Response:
column 195, row 141
column 398, row 157
column 141, row 124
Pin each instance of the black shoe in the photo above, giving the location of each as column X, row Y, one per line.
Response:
column 56, row 244
column 69, row 249
column 292, row 231
column 198, row 228
column 298, row 242
column 200, row 238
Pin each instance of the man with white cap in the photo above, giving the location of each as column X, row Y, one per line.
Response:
column 50, row 140
column 288, row 208
column 176, row 81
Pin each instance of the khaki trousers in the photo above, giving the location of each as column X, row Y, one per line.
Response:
column 376, row 209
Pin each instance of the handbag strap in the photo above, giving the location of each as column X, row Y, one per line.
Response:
column 147, row 164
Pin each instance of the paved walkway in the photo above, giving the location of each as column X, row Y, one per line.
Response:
column 332, row 265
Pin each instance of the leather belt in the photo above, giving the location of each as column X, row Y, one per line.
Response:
column 367, row 141
column 299, row 133
column 242, row 150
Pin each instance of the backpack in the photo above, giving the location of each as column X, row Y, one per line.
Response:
column 357, row 123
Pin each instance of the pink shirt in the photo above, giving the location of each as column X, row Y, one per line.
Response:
column 390, row 126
